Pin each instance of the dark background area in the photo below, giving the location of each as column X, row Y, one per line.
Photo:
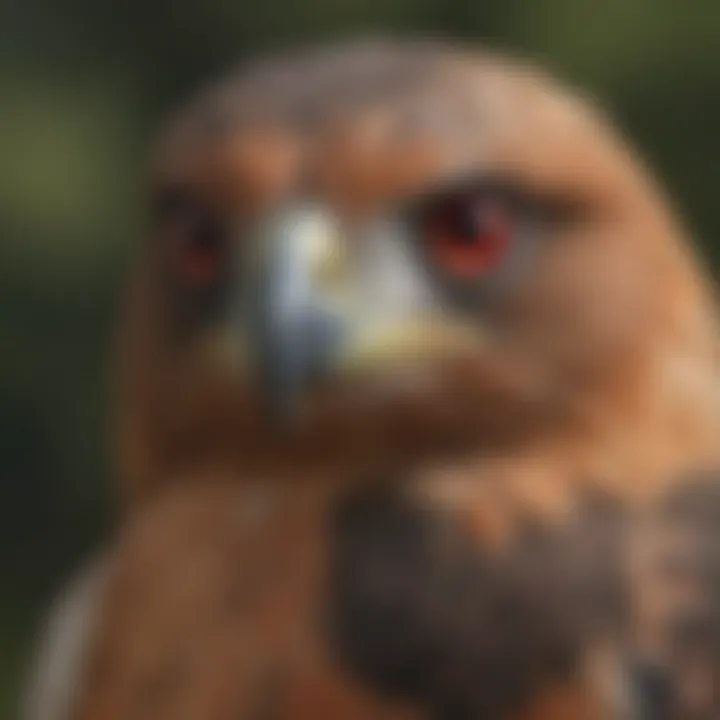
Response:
column 83, row 85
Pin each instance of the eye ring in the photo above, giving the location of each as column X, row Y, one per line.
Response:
column 467, row 235
column 198, row 249
column 194, row 239
column 472, row 279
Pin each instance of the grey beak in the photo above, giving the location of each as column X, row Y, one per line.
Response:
column 295, row 332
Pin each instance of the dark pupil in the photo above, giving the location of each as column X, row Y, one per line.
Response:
column 206, row 236
column 176, row 206
column 465, row 223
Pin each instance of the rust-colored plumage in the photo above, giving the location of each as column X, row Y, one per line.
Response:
column 459, row 521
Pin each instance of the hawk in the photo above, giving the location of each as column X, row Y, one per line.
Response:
column 418, row 410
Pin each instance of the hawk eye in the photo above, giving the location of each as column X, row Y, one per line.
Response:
column 468, row 234
column 200, row 250
column 195, row 240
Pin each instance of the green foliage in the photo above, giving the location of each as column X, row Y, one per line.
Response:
column 83, row 83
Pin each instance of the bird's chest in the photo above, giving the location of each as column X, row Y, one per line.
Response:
column 421, row 607
column 370, row 604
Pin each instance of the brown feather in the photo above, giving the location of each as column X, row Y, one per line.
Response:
column 606, row 383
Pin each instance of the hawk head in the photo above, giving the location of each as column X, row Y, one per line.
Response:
column 377, row 254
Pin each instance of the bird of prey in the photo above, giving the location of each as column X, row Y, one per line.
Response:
column 418, row 410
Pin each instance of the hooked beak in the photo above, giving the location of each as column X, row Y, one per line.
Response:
column 295, row 323
column 309, row 314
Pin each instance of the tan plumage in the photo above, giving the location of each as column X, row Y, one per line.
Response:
column 589, row 373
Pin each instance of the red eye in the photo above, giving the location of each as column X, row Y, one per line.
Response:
column 197, row 248
column 193, row 238
column 468, row 235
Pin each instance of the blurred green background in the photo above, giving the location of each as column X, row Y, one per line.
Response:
column 83, row 84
